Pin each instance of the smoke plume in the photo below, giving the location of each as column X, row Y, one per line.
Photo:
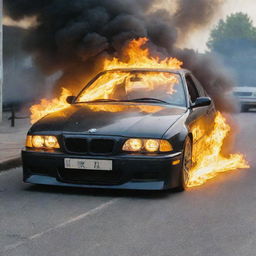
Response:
column 74, row 36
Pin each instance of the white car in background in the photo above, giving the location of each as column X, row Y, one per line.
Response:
column 246, row 97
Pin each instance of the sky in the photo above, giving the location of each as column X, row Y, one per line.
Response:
column 198, row 40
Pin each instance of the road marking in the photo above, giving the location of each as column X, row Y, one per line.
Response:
column 61, row 225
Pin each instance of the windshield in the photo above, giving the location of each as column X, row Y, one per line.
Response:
column 131, row 86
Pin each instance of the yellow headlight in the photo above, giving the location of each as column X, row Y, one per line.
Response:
column 29, row 141
column 133, row 145
column 38, row 141
column 165, row 146
column 51, row 142
column 151, row 145
column 147, row 145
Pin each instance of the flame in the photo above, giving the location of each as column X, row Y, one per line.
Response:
column 137, row 56
column 105, row 86
column 207, row 153
column 49, row 106
column 121, row 108
column 208, row 159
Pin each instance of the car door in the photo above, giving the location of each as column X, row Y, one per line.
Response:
column 198, row 119
column 202, row 93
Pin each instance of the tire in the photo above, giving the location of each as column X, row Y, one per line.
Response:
column 186, row 166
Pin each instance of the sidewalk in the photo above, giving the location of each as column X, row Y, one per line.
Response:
column 12, row 140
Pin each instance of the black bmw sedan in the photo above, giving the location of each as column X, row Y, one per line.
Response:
column 127, row 129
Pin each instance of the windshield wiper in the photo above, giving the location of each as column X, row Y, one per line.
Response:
column 148, row 100
column 102, row 100
column 133, row 100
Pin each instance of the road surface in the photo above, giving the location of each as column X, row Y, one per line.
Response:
column 217, row 219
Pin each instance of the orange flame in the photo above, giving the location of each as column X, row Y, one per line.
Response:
column 49, row 106
column 136, row 57
column 207, row 156
column 106, row 84
column 207, row 153
column 139, row 57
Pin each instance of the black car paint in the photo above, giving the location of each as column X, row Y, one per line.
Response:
column 170, row 122
column 131, row 122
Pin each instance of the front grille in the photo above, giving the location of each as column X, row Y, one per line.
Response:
column 79, row 145
column 76, row 145
column 243, row 94
column 90, row 177
column 101, row 146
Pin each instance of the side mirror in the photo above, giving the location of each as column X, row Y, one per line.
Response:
column 202, row 102
column 70, row 99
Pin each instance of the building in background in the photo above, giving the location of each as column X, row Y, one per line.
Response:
column 1, row 60
column 23, row 82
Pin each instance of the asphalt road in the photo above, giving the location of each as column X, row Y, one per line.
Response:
column 217, row 219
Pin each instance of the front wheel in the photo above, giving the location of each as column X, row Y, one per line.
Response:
column 186, row 166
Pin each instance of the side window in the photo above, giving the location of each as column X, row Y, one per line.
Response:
column 193, row 92
column 200, row 88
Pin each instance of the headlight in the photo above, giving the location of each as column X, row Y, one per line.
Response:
column 133, row 145
column 165, row 146
column 37, row 141
column 147, row 145
column 51, row 142
column 29, row 141
column 151, row 145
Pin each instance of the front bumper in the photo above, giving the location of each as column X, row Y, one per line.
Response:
column 247, row 101
column 129, row 171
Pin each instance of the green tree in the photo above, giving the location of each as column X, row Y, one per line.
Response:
column 236, row 30
column 234, row 41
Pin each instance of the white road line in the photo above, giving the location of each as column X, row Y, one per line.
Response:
column 61, row 225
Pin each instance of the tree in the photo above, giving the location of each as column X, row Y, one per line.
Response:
column 237, row 29
column 234, row 40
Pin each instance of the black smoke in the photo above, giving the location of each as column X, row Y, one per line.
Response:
column 74, row 36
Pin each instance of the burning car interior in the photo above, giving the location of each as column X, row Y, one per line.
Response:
column 128, row 86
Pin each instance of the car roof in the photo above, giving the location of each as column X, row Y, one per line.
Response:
column 179, row 71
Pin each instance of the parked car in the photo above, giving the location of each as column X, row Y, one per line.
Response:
column 246, row 96
column 137, row 133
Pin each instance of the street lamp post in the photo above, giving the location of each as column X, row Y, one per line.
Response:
column 1, row 61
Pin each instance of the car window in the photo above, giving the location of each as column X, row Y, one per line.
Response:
column 193, row 92
column 201, row 90
column 133, row 85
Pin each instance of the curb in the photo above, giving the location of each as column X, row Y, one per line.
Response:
column 10, row 164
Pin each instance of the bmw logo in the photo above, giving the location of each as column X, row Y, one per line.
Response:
column 93, row 130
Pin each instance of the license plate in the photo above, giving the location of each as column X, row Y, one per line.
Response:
column 88, row 164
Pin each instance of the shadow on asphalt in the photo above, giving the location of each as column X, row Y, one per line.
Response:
column 252, row 110
column 144, row 194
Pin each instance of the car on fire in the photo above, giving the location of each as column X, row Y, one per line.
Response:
column 127, row 129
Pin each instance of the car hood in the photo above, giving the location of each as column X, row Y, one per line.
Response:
column 245, row 89
column 140, row 120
